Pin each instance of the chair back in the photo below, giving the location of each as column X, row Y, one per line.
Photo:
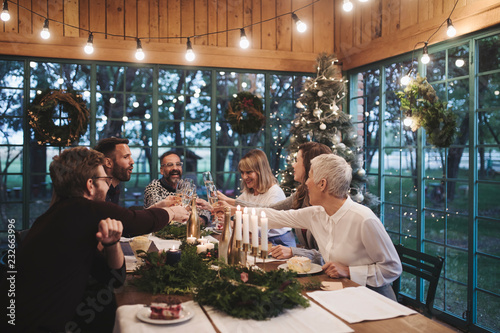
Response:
column 424, row 266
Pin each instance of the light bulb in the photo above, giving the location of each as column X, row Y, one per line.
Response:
column 190, row 56
column 45, row 34
column 451, row 31
column 405, row 80
column 425, row 57
column 301, row 26
column 89, row 48
column 139, row 54
column 5, row 16
column 244, row 43
column 408, row 121
column 459, row 63
column 347, row 6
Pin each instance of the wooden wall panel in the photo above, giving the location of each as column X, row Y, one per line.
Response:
column 174, row 21
column 371, row 32
column 97, row 14
column 115, row 17
column 71, row 16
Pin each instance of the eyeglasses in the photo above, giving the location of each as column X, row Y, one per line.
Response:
column 169, row 165
column 107, row 179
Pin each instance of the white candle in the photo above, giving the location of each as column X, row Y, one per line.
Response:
column 202, row 240
column 245, row 226
column 254, row 228
column 201, row 248
column 209, row 245
column 191, row 240
column 263, row 232
column 237, row 223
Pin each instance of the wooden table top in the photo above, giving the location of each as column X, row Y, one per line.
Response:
column 128, row 295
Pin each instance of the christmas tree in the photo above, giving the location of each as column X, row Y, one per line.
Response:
column 319, row 118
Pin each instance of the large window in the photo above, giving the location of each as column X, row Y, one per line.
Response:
column 441, row 201
column 158, row 108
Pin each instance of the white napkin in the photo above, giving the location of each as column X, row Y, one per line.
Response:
column 165, row 244
column 356, row 304
column 300, row 320
column 126, row 321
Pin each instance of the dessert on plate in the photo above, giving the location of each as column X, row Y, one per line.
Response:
column 299, row 264
column 166, row 308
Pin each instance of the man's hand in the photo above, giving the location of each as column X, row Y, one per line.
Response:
column 179, row 213
column 281, row 252
column 169, row 201
column 336, row 270
column 109, row 231
column 203, row 204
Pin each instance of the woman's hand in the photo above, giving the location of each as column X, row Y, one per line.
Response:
column 179, row 213
column 169, row 201
column 203, row 204
column 281, row 252
column 336, row 270
column 222, row 197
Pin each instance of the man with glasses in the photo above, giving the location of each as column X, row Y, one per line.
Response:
column 118, row 164
column 76, row 238
column 159, row 189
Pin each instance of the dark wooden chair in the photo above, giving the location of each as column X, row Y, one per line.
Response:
column 423, row 266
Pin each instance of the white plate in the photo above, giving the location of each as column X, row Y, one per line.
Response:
column 185, row 314
column 315, row 268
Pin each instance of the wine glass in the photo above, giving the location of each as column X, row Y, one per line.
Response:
column 207, row 179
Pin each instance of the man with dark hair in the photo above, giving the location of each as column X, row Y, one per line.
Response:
column 159, row 189
column 118, row 164
column 76, row 238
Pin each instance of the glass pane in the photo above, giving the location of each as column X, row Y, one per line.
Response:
column 199, row 161
column 37, row 209
column 458, row 197
column 489, row 132
column 409, row 222
column 458, row 95
column 487, row 311
column 434, row 226
column 198, row 108
column 456, row 265
column 11, row 103
column 392, row 191
column 11, row 74
column 458, row 61
column 371, row 160
column 488, row 237
column 139, row 79
column 171, row 81
column 392, row 161
column 138, row 132
column 139, row 106
column 457, row 230
column 487, row 274
column 372, row 185
column 409, row 191
column 487, row 199
column 199, row 83
column 409, row 162
column 198, row 134
column 489, row 91
column 489, row 48
column 391, row 218
column 110, row 78
column 456, row 297
column 435, row 194
column 170, row 134
column 436, row 69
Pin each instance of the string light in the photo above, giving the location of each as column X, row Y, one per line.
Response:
column 347, row 6
column 405, row 80
column 425, row 56
column 5, row 16
column 45, row 31
column 189, row 52
column 89, row 48
column 139, row 54
column 244, row 43
column 301, row 26
column 450, row 31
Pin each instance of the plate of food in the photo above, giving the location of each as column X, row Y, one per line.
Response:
column 165, row 311
column 301, row 266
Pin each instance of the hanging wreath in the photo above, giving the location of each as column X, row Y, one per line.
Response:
column 421, row 104
column 42, row 113
column 244, row 113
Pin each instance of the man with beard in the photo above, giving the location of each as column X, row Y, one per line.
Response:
column 77, row 237
column 118, row 164
column 159, row 189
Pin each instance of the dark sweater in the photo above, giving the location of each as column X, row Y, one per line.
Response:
column 59, row 254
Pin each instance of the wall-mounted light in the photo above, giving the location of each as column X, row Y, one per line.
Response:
column 244, row 43
column 45, row 34
column 301, row 26
column 139, row 54
column 190, row 56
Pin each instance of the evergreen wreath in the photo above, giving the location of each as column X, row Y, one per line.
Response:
column 420, row 102
column 251, row 294
column 42, row 112
column 244, row 113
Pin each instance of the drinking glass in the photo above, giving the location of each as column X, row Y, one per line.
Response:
column 207, row 179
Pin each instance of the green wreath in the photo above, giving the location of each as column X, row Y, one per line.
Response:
column 420, row 102
column 42, row 112
column 244, row 113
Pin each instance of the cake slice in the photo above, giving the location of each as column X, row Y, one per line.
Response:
column 166, row 308
column 299, row 264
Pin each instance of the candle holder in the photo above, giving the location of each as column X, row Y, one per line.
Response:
column 246, row 247
column 255, row 252
column 238, row 244
column 263, row 256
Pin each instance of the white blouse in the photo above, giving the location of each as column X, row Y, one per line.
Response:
column 353, row 236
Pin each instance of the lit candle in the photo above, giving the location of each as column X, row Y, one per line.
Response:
column 254, row 228
column 201, row 248
column 263, row 232
column 245, row 226
column 191, row 240
column 173, row 256
column 237, row 226
column 202, row 240
column 209, row 245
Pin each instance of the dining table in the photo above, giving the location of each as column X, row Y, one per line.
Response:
column 328, row 308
